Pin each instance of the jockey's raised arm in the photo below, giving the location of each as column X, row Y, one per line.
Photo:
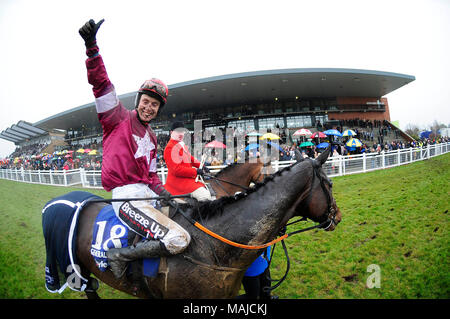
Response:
column 129, row 159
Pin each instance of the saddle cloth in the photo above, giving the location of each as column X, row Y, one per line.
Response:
column 110, row 232
column 59, row 224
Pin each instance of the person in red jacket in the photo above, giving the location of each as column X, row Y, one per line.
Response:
column 129, row 161
column 182, row 167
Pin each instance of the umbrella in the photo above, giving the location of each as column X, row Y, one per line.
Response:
column 348, row 133
column 332, row 132
column 87, row 150
column 269, row 136
column 254, row 134
column 80, row 150
column 93, row 152
column 275, row 145
column 353, row 142
column 215, row 144
column 318, row 134
column 302, row 132
column 68, row 155
column 252, row 146
column 305, row 144
column 323, row 145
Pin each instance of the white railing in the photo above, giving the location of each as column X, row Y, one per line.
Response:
column 342, row 165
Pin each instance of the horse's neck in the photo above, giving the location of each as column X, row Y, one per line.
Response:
column 240, row 174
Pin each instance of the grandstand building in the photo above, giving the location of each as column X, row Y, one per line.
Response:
column 315, row 98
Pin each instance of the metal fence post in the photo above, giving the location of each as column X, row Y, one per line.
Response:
column 364, row 162
column 82, row 177
column 65, row 177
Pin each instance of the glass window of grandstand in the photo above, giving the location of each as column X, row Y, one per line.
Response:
column 298, row 121
column 270, row 123
column 322, row 118
column 245, row 125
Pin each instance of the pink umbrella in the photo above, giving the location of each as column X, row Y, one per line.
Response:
column 319, row 135
column 87, row 150
column 68, row 155
column 215, row 144
column 302, row 132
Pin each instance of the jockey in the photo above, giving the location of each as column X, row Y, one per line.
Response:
column 183, row 168
column 129, row 161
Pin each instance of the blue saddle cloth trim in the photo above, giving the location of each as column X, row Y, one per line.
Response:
column 109, row 232
column 59, row 224
column 259, row 265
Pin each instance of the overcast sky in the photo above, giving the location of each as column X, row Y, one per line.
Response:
column 42, row 56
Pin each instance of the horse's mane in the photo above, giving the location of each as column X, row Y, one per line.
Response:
column 210, row 209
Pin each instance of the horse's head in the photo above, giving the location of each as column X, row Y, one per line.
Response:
column 318, row 204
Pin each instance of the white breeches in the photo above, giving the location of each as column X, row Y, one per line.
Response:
column 202, row 194
column 176, row 239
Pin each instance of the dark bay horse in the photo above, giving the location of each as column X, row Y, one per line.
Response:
column 210, row 268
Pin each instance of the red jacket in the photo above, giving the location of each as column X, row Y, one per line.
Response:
column 182, row 168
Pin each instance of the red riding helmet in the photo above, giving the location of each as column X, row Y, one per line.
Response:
column 154, row 88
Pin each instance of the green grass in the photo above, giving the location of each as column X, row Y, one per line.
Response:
column 396, row 218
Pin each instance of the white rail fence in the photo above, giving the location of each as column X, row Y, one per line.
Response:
column 342, row 165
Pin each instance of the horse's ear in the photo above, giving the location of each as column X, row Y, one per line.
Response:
column 298, row 156
column 322, row 158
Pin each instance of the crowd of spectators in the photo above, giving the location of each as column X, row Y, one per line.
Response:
column 376, row 137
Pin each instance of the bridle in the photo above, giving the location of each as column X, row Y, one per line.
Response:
column 330, row 213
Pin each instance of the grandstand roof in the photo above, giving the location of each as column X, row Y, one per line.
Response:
column 249, row 88
column 21, row 131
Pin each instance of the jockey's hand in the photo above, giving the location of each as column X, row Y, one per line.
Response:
column 201, row 171
column 206, row 170
column 88, row 32
column 166, row 196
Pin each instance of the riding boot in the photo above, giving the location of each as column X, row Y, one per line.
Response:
column 119, row 257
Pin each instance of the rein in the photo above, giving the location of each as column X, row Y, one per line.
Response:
column 224, row 181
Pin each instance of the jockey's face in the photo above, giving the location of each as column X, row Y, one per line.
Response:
column 148, row 108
